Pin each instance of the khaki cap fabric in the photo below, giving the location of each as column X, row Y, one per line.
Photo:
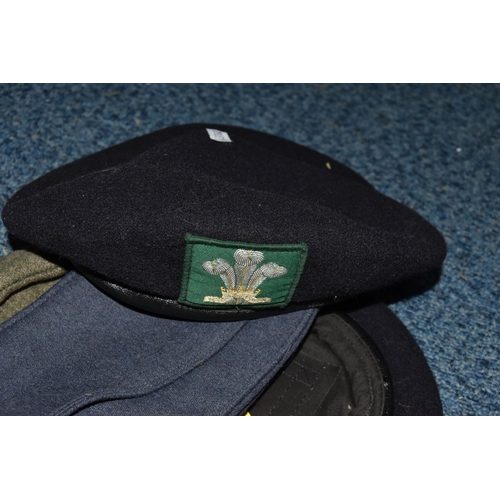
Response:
column 24, row 277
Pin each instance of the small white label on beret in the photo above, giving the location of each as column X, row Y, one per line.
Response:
column 218, row 135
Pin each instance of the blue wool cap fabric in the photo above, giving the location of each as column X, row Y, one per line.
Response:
column 75, row 351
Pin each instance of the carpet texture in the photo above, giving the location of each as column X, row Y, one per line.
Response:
column 435, row 148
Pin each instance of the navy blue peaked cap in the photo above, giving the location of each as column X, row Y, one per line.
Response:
column 206, row 220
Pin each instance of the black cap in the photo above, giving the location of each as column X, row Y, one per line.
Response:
column 164, row 221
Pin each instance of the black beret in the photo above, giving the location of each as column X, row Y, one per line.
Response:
column 214, row 221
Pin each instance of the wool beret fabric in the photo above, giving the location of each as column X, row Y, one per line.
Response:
column 124, row 212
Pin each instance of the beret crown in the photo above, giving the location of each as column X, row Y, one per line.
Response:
column 123, row 213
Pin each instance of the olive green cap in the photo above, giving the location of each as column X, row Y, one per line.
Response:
column 24, row 277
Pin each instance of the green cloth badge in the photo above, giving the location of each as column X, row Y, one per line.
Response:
column 229, row 274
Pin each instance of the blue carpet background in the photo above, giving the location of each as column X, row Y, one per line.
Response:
column 435, row 148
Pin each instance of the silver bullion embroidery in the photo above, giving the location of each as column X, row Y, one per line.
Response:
column 242, row 280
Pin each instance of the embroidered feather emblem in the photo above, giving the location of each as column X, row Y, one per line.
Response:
column 242, row 279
